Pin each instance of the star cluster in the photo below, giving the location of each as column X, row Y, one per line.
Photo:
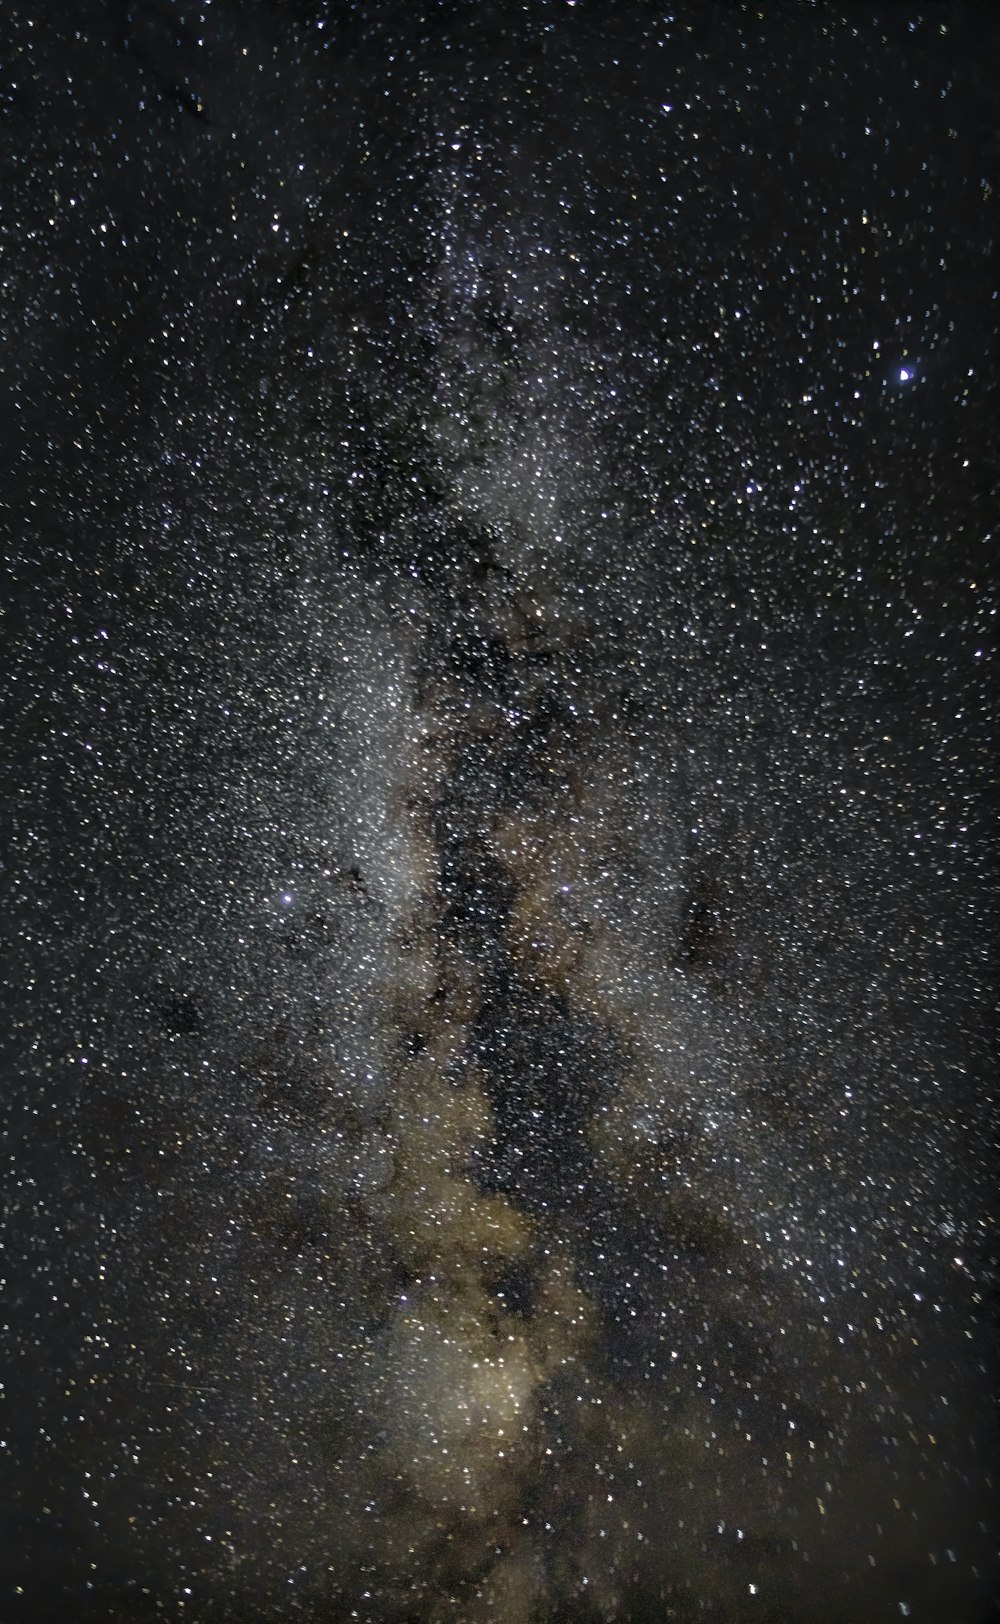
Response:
column 499, row 926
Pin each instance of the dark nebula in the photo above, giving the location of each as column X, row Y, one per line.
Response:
column 499, row 934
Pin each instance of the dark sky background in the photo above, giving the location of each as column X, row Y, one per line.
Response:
column 499, row 811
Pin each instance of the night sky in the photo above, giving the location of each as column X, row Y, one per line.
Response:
column 499, row 812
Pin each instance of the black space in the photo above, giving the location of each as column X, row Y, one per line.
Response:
column 499, row 799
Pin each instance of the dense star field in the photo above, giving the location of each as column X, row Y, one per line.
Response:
column 499, row 812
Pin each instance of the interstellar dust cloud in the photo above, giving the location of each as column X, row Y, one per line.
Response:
column 589, row 1335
